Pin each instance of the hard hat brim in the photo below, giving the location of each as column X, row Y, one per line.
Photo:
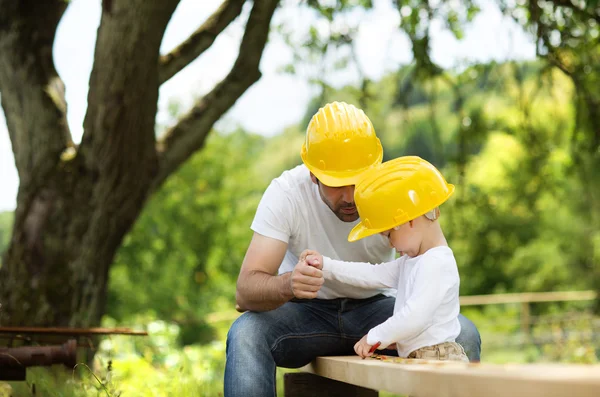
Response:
column 339, row 178
column 360, row 231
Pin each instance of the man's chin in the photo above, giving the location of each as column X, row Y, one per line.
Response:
column 347, row 217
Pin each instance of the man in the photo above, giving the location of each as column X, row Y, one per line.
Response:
column 292, row 315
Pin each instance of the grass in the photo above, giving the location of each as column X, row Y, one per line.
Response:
column 157, row 367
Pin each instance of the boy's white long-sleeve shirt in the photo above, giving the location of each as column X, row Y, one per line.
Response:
column 427, row 304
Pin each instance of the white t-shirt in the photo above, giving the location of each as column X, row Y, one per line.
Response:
column 291, row 210
column 427, row 304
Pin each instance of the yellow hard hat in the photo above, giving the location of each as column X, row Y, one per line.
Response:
column 340, row 144
column 396, row 192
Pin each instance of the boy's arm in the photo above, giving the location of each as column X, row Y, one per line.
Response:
column 363, row 274
column 433, row 282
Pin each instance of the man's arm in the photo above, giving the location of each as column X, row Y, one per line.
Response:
column 259, row 288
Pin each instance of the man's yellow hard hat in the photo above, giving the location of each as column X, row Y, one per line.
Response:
column 340, row 144
column 395, row 192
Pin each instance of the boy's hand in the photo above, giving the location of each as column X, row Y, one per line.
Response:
column 315, row 261
column 306, row 253
column 362, row 348
column 312, row 258
column 306, row 281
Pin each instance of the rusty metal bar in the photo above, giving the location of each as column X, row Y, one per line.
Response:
column 15, row 360
column 71, row 331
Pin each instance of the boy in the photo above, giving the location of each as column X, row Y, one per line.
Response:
column 399, row 199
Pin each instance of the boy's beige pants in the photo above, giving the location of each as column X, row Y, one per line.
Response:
column 444, row 351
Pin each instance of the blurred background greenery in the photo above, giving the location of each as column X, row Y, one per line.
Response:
column 520, row 140
column 519, row 222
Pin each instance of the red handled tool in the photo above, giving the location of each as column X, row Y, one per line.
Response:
column 374, row 347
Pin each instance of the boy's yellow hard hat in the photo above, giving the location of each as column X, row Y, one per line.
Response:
column 340, row 144
column 396, row 192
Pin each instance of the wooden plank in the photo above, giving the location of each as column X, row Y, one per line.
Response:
column 526, row 321
column 422, row 378
column 527, row 297
column 302, row 384
column 470, row 300
column 71, row 331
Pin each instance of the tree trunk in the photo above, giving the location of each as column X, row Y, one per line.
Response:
column 586, row 153
column 75, row 204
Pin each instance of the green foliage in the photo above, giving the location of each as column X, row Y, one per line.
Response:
column 567, row 34
column 181, row 259
column 331, row 36
column 151, row 366
column 6, row 220
column 488, row 128
column 156, row 366
column 519, row 140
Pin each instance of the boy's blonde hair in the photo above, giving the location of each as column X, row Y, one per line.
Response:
column 433, row 214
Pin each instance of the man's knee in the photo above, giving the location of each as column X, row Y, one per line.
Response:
column 469, row 338
column 249, row 368
column 245, row 332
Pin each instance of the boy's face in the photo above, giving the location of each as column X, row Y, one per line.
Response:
column 339, row 199
column 406, row 238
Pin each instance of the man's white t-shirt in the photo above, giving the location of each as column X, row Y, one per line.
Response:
column 291, row 210
column 427, row 304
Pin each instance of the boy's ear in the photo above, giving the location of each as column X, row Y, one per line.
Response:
column 411, row 224
column 314, row 178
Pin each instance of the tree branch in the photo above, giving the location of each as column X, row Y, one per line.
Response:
column 555, row 60
column 199, row 41
column 584, row 13
column 189, row 134
column 32, row 92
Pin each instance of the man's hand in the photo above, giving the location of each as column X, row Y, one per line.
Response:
column 312, row 258
column 306, row 281
column 362, row 348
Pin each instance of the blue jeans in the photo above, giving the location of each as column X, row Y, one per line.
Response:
column 294, row 334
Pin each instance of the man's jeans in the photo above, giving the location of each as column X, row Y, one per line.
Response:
column 294, row 334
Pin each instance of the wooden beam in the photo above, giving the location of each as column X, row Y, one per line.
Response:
column 527, row 297
column 471, row 300
column 71, row 331
column 422, row 378
column 526, row 321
